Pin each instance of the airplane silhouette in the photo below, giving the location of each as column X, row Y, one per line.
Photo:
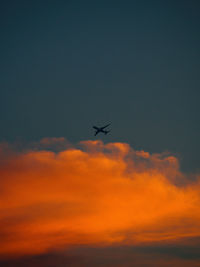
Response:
column 101, row 129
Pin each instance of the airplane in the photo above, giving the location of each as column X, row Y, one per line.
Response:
column 101, row 129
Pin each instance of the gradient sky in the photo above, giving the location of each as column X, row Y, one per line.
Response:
column 68, row 65
column 71, row 64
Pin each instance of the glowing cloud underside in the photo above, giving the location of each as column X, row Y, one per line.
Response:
column 96, row 195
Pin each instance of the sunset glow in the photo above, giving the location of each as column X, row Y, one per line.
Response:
column 93, row 194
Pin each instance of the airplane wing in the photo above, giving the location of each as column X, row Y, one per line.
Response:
column 105, row 126
column 96, row 133
column 96, row 128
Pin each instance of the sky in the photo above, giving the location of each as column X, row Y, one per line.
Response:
column 128, row 198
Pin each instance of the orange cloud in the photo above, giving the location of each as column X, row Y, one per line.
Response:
column 96, row 194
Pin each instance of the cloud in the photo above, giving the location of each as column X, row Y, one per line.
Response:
column 111, row 256
column 93, row 194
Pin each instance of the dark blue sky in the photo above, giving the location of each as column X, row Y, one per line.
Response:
column 66, row 65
